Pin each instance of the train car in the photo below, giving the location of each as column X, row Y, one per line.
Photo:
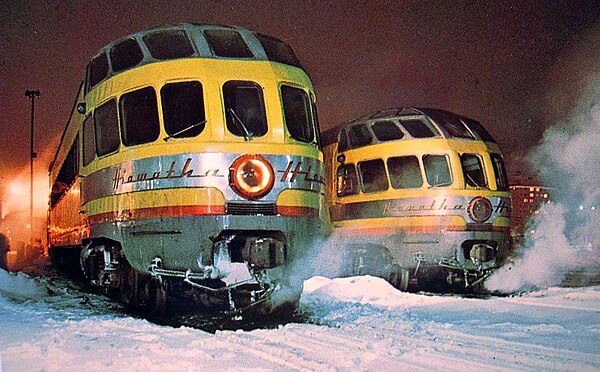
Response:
column 191, row 166
column 418, row 196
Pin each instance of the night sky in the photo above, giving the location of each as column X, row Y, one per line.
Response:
column 508, row 64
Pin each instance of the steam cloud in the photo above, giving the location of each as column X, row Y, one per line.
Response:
column 566, row 232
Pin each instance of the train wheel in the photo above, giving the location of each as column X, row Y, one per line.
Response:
column 127, row 284
column 400, row 278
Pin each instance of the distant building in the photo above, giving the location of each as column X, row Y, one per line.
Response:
column 527, row 198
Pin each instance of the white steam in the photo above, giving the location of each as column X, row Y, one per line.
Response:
column 565, row 232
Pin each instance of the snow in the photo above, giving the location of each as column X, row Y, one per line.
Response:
column 353, row 323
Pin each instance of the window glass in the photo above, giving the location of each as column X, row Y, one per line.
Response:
column 343, row 141
column 313, row 105
column 437, row 170
column 417, row 128
column 125, row 54
column 451, row 123
column 106, row 127
column 347, row 180
column 89, row 150
column 476, row 127
column 386, row 130
column 473, row 170
column 245, row 109
column 66, row 175
column 183, row 109
column 278, row 51
column 227, row 43
column 98, row 69
column 139, row 117
column 359, row 135
column 296, row 109
column 500, row 172
column 405, row 172
column 169, row 44
column 372, row 173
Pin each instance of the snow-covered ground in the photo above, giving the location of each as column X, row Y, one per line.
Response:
column 359, row 323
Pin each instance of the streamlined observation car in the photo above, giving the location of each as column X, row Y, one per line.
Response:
column 191, row 166
column 418, row 196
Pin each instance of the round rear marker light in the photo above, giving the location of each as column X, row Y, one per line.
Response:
column 251, row 176
column 480, row 209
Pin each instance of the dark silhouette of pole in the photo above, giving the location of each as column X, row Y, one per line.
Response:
column 31, row 94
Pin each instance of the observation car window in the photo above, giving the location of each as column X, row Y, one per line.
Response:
column 183, row 109
column 472, row 168
column 342, row 141
column 125, row 54
column 89, row 148
column 347, row 180
column 139, row 117
column 169, row 44
column 313, row 106
column 500, row 172
column 476, row 127
column 386, row 130
column 106, row 127
column 437, row 170
column 66, row 175
column 405, row 172
column 98, row 69
column 296, row 109
column 359, row 135
column 418, row 128
column 373, row 175
column 452, row 125
column 227, row 43
column 278, row 51
column 245, row 109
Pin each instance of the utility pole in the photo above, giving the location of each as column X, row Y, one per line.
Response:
column 31, row 94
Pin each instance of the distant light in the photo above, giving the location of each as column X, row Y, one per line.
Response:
column 581, row 207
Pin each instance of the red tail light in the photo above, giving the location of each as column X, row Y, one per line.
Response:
column 251, row 176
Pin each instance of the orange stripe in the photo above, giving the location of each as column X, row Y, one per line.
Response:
column 155, row 212
column 297, row 211
column 414, row 229
column 189, row 210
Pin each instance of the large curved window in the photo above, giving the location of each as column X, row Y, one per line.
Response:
column 359, row 135
column 278, row 51
column 183, row 109
column 245, row 109
column 125, row 54
column 373, row 175
column 386, row 130
column 227, row 43
column 296, row 109
column 139, row 117
column 169, row 44
column 106, row 126
column 437, row 170
column 405, row 172
column 418, row 128
column 98, row 69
